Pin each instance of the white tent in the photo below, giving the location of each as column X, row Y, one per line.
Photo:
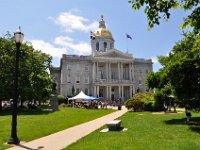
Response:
column 81, row 95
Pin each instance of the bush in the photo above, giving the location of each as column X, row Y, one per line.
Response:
column 62, row 105
column 140, row 102
column 149, row 101
column 61, row 99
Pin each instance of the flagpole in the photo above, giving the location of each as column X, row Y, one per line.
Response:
column 127, row 36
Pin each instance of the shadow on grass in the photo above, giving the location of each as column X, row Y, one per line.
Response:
column 194, row 123
column 176, row 121
column 195, row 129
column 26, row 112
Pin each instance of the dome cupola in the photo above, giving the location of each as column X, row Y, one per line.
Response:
column 103, row 31
column 101, row 40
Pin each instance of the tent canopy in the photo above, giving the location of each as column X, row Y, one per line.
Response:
column 81, row 95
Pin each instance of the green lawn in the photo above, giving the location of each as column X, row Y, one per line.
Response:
column 35, row 124
column 146, row 131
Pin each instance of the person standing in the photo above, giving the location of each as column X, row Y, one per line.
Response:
column 188, row 115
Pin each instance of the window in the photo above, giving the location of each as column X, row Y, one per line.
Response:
column 147, row 71
column 68, row 78
column 105, row 46
column 86, row 80
column 97, row 46
column 140, row 71
column 68, row 67
column 77, row 66
column 140, row 81
column 100, row 92
column 77, row 91
column 86, row 67
column 101, row 74
column 113, row 75
column 86, row 91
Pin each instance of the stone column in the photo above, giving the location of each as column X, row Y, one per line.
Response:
column 130, row 70
column 98, row 91
column 132, row 66
column 119, row 77
column 120, row 92
column 110, row 91
column 97, row 74
column 122, row 71
column 134, row 89
column 95, row 91
column 131, row 91
column 94, row 71
column 109, row 68
column 123, row 93
column 107, row 72
column 101, row 46
column 107, row 94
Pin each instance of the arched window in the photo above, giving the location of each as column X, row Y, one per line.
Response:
column 97, row 46
column 105, row 46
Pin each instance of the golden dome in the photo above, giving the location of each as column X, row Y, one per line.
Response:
column 102, row 31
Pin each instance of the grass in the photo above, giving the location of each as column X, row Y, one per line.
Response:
column 146, row 131
column 35, row 124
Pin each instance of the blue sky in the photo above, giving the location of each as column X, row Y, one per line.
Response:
column 63, row 26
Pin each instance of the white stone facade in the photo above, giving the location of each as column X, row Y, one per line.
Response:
column 107, row 72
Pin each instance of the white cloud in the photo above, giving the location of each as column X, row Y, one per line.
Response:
column 48, row 48
column 65, row 44
column 62, row 45
column 71, row 22
column 155, row 59
column 79, row 48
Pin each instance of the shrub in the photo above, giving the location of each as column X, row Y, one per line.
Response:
column 141, row 102
column 62, row 105
column 149, row 101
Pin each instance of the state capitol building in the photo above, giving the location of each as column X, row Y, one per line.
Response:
column 107, row 73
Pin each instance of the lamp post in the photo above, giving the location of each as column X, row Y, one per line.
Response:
column 18, row 40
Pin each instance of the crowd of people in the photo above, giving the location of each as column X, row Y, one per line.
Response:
column 95, row 104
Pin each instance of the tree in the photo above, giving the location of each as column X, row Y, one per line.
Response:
column 180, row 75
column 34, row 79
column 160, row 9
column 162, row 87
column 181, row 69
column 7, row 49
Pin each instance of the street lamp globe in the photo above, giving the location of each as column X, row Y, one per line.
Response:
column 19, row 36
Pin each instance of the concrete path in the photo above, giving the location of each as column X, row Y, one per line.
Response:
column 62, row 139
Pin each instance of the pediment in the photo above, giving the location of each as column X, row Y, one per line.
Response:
column 113, row 54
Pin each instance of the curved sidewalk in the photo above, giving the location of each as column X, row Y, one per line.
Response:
column 68, row 136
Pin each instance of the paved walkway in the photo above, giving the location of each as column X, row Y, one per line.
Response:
column 66, row 137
